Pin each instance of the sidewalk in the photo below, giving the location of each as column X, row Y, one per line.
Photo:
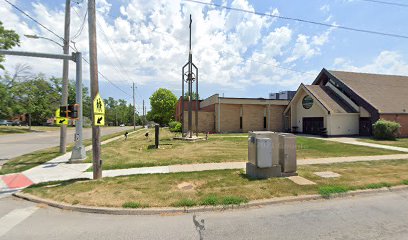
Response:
column 59, row 168
column 354, row 141
column 55, row 170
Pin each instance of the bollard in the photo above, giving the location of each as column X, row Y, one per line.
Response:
column 156, row 135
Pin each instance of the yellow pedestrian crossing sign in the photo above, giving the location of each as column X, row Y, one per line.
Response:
column 98, row 105
column 99, row 120
column 60, row 120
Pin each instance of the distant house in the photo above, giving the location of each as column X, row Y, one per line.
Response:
column 348, row 103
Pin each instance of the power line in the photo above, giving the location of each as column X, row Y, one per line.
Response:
column 387, row 3
column 52, row 32
column 301, row 20
column 33, row 19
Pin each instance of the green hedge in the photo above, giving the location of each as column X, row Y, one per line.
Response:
column 175, row 126
column 385, row 130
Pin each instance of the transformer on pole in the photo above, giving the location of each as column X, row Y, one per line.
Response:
column 189, row 77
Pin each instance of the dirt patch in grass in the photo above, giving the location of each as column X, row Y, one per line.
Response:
column 223, row 187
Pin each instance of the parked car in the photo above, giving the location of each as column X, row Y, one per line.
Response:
column 5, row 123
column 122, row 125
column 18, row 123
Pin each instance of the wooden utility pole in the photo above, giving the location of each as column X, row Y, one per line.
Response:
column 134, row 108
column 65, row 67
column 93, row 69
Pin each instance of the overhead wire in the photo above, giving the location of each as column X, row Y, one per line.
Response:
column 58, row 36
column 301, row 20
column 387, row 3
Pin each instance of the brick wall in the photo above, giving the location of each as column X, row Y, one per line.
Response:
column 276, row 121
column 401, row 119
column 230, row 114
column 253, row 118
column 205, row 121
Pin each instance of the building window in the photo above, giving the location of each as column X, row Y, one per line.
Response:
column 307, row 102
column 240, row 122
column 264, row 122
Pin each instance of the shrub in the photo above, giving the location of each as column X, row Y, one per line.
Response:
column 385, row 130
column 175, row 126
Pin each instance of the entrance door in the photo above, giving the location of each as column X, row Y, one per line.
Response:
column 313, row 125
column 365, row 127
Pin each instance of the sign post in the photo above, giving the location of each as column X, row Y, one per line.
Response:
column 78, row 152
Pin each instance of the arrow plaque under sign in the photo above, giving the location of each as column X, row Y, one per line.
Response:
column 99, row 120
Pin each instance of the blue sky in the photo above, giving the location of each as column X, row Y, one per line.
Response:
column 238, row 54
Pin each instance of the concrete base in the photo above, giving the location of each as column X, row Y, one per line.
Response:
column 260, row 173
column 192, row 139
column 78, row 155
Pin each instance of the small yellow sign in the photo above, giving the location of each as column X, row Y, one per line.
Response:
column 99, row 120
column 98, row 105
column 60, row 120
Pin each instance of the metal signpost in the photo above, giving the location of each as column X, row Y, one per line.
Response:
column 78, row 153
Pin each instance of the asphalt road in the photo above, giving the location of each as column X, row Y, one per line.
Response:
column 14, row 145
column 377, row 216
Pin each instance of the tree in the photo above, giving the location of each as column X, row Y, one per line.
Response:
column 193, row 95
column 163, row 105
column 8, row 39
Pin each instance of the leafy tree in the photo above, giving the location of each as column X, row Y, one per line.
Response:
column 194, row 96
column 163, row 105
column 8, row 39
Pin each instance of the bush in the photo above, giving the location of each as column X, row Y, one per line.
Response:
column 385, row 130
column 175, row 126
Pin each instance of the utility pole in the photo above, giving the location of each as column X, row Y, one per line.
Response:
column 93, row 68
column 134, row 108
column 65, row 66
column 143, row 108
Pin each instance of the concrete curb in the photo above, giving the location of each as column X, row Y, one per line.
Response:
column 174, row 210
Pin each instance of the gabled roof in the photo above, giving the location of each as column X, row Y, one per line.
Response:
column 324, row 95
column 386, row 93
column 330, row 101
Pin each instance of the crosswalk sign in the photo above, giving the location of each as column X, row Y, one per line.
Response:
column 99, row 120
column 60, row 120
column 98, row 105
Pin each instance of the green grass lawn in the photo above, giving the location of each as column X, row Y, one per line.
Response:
column 36, row 158
column 399, row 142
column 138, row 151
column 23, row 129
column 220, row 187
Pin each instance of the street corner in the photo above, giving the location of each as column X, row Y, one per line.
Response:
column 14, row 181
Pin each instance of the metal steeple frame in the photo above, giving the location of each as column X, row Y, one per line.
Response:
column 189, row 77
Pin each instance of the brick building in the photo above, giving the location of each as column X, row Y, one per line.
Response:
column 222, row 114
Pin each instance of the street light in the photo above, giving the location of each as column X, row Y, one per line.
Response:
column 78, row 152
column 38, row 37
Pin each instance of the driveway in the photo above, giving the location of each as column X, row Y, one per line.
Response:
column 14, row 145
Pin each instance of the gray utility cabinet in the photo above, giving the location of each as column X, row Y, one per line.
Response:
column 271, row 154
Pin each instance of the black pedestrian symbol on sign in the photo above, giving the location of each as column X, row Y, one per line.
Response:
column 99, row 104
column 99, row 120
column 62, row 120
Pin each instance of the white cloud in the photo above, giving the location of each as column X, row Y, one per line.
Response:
column 325, row 8
column 387, row 62
column 148, row 43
